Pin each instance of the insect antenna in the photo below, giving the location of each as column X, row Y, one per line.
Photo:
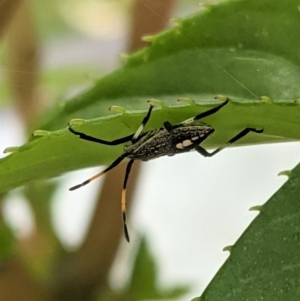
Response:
column 114, row 164
column 123, row 199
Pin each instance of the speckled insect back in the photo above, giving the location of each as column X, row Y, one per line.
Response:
column 167, row 140
column 161, row 142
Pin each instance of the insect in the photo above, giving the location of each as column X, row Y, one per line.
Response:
column 167, row 140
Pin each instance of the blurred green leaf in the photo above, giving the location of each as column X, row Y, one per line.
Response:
column 39, row 195
column 62, row 81
column 58, row 82
column 143, row 282
column 49, row 21
column 7, row 241
column 144, row 275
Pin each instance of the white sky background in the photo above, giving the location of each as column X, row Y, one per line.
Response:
column 189, row 207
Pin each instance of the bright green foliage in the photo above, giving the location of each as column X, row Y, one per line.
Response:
column 236, row 49
column 264, row 263
column 60, row 151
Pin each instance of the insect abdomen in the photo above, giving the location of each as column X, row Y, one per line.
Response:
column 160, row 143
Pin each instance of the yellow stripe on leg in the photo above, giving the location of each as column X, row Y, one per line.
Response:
column 138, row 132
column 123, row 200
column 123, row 204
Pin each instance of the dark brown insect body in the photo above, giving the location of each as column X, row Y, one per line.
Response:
column 167, row 140
column 161, row 142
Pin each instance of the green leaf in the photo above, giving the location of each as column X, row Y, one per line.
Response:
column 143, row 283
column 264, row 263
column 7, row 241
column 39, row 195
column 64, row 79
column 144, row 275
column 236, row 49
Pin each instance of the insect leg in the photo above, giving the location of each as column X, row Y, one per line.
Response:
column 168, row 126
column 243, row 133
column 114, row 164
column 97, row 140
column 141, row 127
column 205, row 114
column 123, row 200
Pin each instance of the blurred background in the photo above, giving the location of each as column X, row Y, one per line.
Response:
column 57, row 245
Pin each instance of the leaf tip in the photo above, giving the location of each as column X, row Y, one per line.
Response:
column 187, row 101
column 149, row 39
column 76, row 121
column 156, row 102
column 266, row 99
column 221, row 97
column 117, row 109
column 287, row 173
column 296, row 101
column 176, row 21
column 11, row 149
column 228, row 248
column 124, row 57
column 40, row 133
column 256, row 208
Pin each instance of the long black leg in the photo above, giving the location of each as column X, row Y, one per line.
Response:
column 114, row 164
column 93, row 139
column 243, row 133
column 205, row 114
column 141, row 127
column 132, row 137
column 123, row 200
column 169, row 127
